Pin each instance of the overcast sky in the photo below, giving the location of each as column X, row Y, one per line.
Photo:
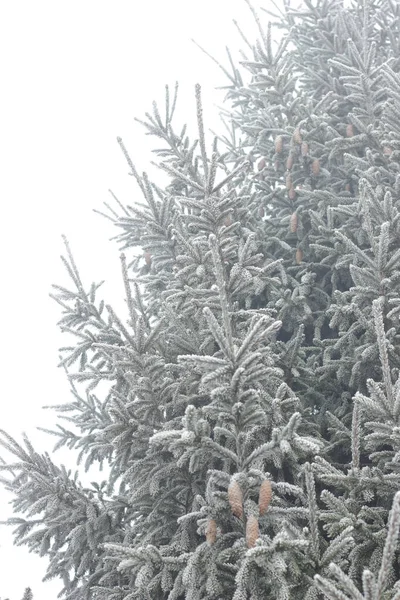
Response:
column 73, row 77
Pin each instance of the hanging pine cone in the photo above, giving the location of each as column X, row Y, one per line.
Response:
column 235, row 497
column 228, row 220
column 252, row 531
column 264, row 496
column 211, row 531
column 315, row 167
column 261, row 211
column 289, row 183
column 261, row 164
column 292, row 193
column 304, row 149
column 349, row 130
column 348, row 187
column 279, row 144
column 297, row 136
column 299, row 255
column 293, row 223
column 289, row 162
column 147, row 258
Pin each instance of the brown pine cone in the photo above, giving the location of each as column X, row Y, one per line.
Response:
column 304, row 149
column 297, row 136
column 293, row 223
column 279, row 144
column 264, row 496
column 235, row 497
column 315, row 167
column 228, row 220
column 211, row 531
column 252, row 531
column 261, row 164
column 289, row 162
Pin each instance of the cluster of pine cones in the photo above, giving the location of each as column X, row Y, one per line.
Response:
column 235, row 498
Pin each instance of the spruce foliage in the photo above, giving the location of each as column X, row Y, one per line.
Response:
column 251, row 418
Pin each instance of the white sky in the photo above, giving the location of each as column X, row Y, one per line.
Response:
column 73, row 76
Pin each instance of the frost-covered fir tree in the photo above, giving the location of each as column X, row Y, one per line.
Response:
column 252, row 419
column 27, row 594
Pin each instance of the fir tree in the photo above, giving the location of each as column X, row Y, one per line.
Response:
column 27, row 594
column 252, row 417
